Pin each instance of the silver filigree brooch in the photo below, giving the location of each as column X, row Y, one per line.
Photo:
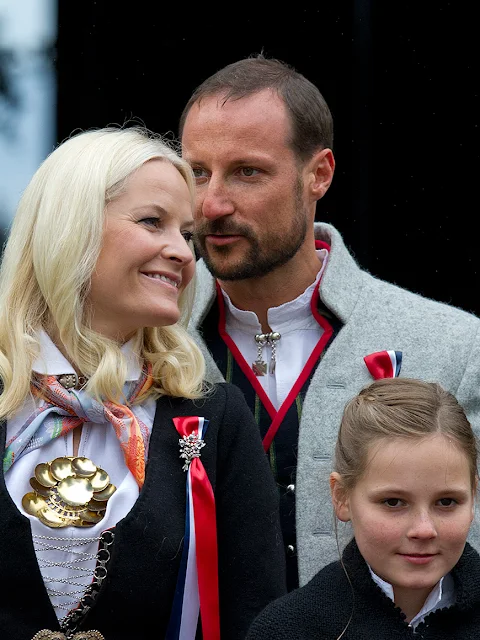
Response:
column 46, row 634
column 190, row 448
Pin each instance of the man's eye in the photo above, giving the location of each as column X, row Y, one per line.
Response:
column 188, row 235
column 248, row 172
column 198, row 172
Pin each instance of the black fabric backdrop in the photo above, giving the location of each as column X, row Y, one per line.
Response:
column 402, row 81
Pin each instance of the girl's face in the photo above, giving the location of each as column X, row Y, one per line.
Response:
column 411, row 511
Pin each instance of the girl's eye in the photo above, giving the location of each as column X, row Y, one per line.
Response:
column 188, row 235
column 393, row 502
column 447, row 502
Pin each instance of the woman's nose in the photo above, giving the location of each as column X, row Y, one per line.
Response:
column 178, row 250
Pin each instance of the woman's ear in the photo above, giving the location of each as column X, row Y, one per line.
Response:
column 339, row 497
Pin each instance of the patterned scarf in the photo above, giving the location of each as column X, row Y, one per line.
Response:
column 63, row 410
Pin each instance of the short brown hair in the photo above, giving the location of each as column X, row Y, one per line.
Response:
column 310, row 116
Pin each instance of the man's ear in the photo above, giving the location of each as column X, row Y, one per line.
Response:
column 339, row 497
column 319, row 172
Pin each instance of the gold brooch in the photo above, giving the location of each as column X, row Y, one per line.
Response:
column 46, row 634
column 68, row 491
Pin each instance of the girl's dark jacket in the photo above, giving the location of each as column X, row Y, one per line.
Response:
column 321, row 609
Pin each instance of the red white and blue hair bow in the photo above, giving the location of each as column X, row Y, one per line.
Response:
column 384, row 364
column 197, row 583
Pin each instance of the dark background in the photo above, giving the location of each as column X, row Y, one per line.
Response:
column 402, row 81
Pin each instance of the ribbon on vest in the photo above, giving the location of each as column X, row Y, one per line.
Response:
column 197, row 583
column 384, row 364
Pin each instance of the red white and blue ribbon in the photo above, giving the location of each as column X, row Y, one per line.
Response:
column 384, row 364
column 197, row 583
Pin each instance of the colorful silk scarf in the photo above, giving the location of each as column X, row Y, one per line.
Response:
column 63, row 410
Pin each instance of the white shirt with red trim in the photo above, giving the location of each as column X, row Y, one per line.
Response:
column 299, row 330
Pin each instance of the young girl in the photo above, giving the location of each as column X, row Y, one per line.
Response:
column 405, row 478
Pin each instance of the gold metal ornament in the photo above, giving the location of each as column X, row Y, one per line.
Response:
column 32, row 503
column 61, row 468
column 43, row 475
column 83, row 467
column 68, row 491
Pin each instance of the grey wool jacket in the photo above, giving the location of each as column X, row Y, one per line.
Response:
column 438, row 342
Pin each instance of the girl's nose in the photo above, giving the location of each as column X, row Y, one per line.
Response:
column 422, row 526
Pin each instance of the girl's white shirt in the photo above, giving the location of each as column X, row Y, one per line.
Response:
column 441, row 596
column 66, row 556
column 299, row 332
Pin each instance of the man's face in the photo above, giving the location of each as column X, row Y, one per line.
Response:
column 252, row 213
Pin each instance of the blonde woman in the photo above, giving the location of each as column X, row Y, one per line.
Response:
column 134, row 501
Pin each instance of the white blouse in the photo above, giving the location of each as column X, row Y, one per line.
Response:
column 442, row 595
column 67, row 556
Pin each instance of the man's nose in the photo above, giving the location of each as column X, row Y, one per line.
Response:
column 215, row 200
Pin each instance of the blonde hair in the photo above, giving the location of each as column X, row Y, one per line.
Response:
column 50, row 255
column 399, row 408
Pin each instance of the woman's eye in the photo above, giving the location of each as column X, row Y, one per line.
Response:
column 150, row 221
column 393, row 502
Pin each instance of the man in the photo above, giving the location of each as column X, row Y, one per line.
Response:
column 282, row 309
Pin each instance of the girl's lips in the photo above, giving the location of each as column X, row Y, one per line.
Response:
column 418, row 558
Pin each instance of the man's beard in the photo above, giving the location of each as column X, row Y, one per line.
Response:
column 261, row 257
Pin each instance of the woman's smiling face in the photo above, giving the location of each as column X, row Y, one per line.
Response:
column 145, row 260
